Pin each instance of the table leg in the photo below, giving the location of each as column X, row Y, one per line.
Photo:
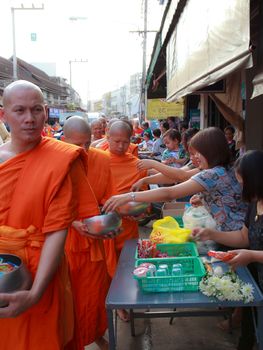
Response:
column 260, row 327
column 112, row 344
column 132, row 323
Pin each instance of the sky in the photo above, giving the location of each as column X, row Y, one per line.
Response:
column 101, row 35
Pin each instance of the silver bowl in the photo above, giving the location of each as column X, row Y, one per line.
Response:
column 18, row 279
column 133, row 208
column 103, row 224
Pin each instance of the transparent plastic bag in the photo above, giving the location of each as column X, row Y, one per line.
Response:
column 167, row 230
column 198, row 217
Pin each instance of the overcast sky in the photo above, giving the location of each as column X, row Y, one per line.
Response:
column 103, row 38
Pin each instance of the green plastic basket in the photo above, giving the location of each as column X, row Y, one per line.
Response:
column 175, row 250
column 192, row 272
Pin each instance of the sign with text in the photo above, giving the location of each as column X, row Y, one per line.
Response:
column 160, row 109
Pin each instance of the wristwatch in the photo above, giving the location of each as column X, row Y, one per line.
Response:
column 132, row 194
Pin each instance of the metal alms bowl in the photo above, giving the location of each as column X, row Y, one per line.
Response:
column 133, row 208
column 18, row 279
column 103, row 224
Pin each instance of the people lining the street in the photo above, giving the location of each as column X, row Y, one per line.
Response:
column 215, row 184
column 147, row 143
column 229, row 134
column 174, row 155
column 165, row 174
column 249, row 172
column 85, row 178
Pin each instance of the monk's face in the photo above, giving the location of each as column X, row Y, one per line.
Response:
column 25, row 113
column 97, row 130
column 79, row 139
column 119, row 142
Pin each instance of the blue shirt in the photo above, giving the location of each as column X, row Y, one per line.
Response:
column 178, row 154
column 223, row 197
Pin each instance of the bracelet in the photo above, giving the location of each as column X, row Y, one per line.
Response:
column 132, row 195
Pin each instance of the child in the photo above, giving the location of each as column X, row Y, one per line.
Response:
column 174, row 155
column 158, row 146
column 249, row 171
column 147, row 143
column 229, row 134
column 220, row 189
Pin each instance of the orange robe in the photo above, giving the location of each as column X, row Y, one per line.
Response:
column 125, row 174
column 101, row 181
column 38, row 188
column 87, row 262
column 133, row 148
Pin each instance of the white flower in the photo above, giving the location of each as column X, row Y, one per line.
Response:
column 227, row 286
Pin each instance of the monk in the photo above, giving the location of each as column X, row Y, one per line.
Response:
column 39, row 199
column 96, row 130
column 104, row 143
column 125, row 173
column 90, row 281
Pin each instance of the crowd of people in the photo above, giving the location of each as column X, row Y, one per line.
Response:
column 48, row 187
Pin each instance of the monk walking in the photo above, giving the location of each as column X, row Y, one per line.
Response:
column 39, row 199
column 90, row 281
column 125, row 174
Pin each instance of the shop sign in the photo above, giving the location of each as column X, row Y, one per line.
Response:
column 161, row 109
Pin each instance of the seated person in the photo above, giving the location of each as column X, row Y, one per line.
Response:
column 174, row 155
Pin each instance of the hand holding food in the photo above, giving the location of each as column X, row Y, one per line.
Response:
column 223, row 256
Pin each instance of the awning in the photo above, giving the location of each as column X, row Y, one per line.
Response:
column 210, row 41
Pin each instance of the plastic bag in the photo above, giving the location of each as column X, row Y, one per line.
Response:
column 167, row 230
column 198, row 217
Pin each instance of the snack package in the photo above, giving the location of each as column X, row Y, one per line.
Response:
column 167, row 230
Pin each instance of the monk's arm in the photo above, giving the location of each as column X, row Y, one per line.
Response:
column 51, row 254
column 164, row 194
column 176, row 174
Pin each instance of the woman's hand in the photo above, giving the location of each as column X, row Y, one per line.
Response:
column 201, row 234
column 116, row 201
column 145, row 164
column 196, row 200
column 242, row 257
column 137, row 185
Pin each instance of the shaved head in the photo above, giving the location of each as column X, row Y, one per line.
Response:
column 20, row 86
column 77, row 132
column 76, row 124
column 120, row 127
column 95, row 122
column 119, row 138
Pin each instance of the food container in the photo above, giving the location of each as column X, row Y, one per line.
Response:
column 100, row 225
column 133, row 208
column 17, row 279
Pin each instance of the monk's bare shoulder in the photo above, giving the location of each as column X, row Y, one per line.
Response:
column 5, row 152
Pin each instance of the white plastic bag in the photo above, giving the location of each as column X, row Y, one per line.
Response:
column 198, row 217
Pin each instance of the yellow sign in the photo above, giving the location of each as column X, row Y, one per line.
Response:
column 160, row 109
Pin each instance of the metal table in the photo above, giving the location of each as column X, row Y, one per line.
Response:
column 124, row 293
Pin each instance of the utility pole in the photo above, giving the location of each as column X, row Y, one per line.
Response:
column 143, row 98
column 143, row 92
column 13, row 9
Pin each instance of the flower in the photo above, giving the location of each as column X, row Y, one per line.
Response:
column 227, row 286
